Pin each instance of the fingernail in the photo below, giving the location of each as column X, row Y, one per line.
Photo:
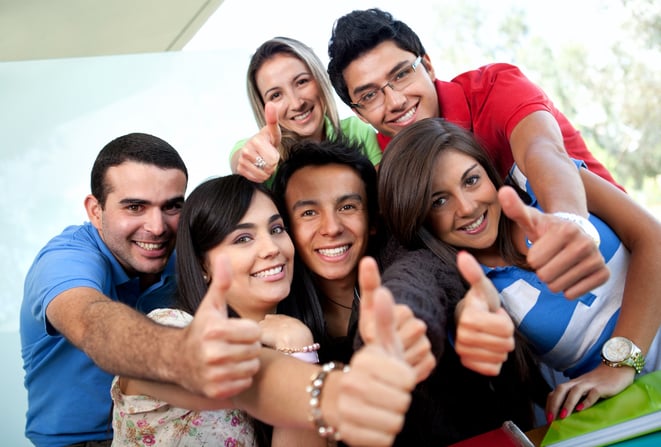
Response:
column 563, row 413
column 580, row 406
column 549, row 418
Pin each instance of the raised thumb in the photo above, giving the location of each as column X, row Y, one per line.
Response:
column 221, row 278
column 272, row 126
column 481, row 287
column 523, row 215
column 369, row 280
column 385, row 330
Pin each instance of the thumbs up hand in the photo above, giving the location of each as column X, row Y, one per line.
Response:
column 485, row 332
column 411, row 331
column 220, row 354
column 375, row 394
column 259, row 157
column 377, row 310
column 562, row 255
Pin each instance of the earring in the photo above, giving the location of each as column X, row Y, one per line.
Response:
column 205, row 278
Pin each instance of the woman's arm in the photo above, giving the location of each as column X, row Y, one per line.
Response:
column 173, row 394
column 640, row 232
column 640, row 314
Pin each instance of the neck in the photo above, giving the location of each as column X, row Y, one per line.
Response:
column 340, row 291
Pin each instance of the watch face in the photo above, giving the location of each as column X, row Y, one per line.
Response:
column 617, row 349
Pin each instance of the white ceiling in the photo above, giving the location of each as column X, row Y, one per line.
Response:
column 45, row 29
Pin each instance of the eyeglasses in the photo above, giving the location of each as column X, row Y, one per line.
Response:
column 374, row 98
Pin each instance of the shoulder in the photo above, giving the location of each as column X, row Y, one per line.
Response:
column 75, row 252
column 238, row 145
column 490, row 73
column 420, row 279
column 353, row 126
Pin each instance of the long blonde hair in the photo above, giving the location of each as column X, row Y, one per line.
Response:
column 286, row 45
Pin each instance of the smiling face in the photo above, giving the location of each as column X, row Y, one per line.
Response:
column 465, row 210
column 141, row 214
column 414, row 102
column 261, row 257
column 327, row 206
column 286, row 82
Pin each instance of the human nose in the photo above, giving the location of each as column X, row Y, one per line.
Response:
column 297, row 103
column 155, row 222
column 465, row 205
column 268, row 248
column 330, row 225
column 393, row 98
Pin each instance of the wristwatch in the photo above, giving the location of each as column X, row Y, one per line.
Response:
column 620, row 351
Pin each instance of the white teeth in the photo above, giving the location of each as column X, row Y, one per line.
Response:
column 149, row 246
column 475, row 224
column 333, row 251
column 269, row 272
column 407, row 116
column 302, row 116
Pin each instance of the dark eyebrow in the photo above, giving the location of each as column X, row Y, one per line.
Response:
column 463, row 177
column 295, row 78
column 250, row 225
column 352, row 196
column 302, row 203
column 389, row 75
column 467, row 171
column 169, row 202
column 130, row 201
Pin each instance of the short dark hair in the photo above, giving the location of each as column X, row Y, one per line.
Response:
column 357, row 33
column 306, row 304
column 137, row 147
column 336, row 151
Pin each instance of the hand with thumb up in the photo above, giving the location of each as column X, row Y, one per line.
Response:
column 375, row 393
column 259, row 156
column 219, row 354
column 562, row 254
column 485, row 332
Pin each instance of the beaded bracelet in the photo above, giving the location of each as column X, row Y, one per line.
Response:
column 314, row 389
column 309, row 348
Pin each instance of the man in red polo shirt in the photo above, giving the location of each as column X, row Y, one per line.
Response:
column 379, row 67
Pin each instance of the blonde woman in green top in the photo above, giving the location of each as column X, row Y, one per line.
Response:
column 291, row 98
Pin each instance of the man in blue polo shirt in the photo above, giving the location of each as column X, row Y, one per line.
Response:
column 82, row 318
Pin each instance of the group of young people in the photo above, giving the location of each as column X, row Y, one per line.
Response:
column 427, row 257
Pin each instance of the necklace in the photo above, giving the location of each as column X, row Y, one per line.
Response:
column 339, row 304
column 356, row 298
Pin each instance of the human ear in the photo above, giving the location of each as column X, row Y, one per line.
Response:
column 94, row 211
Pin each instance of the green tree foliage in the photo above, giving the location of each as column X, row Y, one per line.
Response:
column 610, row 91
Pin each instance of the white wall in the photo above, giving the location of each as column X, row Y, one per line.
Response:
column 55, row 116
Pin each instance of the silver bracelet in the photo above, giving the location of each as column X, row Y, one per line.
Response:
column 582, row 222
column 314, row 389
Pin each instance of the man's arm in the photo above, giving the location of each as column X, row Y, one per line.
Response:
column 539, row 151
column 214, row 355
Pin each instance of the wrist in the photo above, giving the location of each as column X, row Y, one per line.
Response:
column 583, row 223
column 323, row 410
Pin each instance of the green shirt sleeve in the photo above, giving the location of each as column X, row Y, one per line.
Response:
column 238, row 145
column 362, row 133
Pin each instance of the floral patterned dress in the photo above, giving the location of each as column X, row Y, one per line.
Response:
column 141, row 421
